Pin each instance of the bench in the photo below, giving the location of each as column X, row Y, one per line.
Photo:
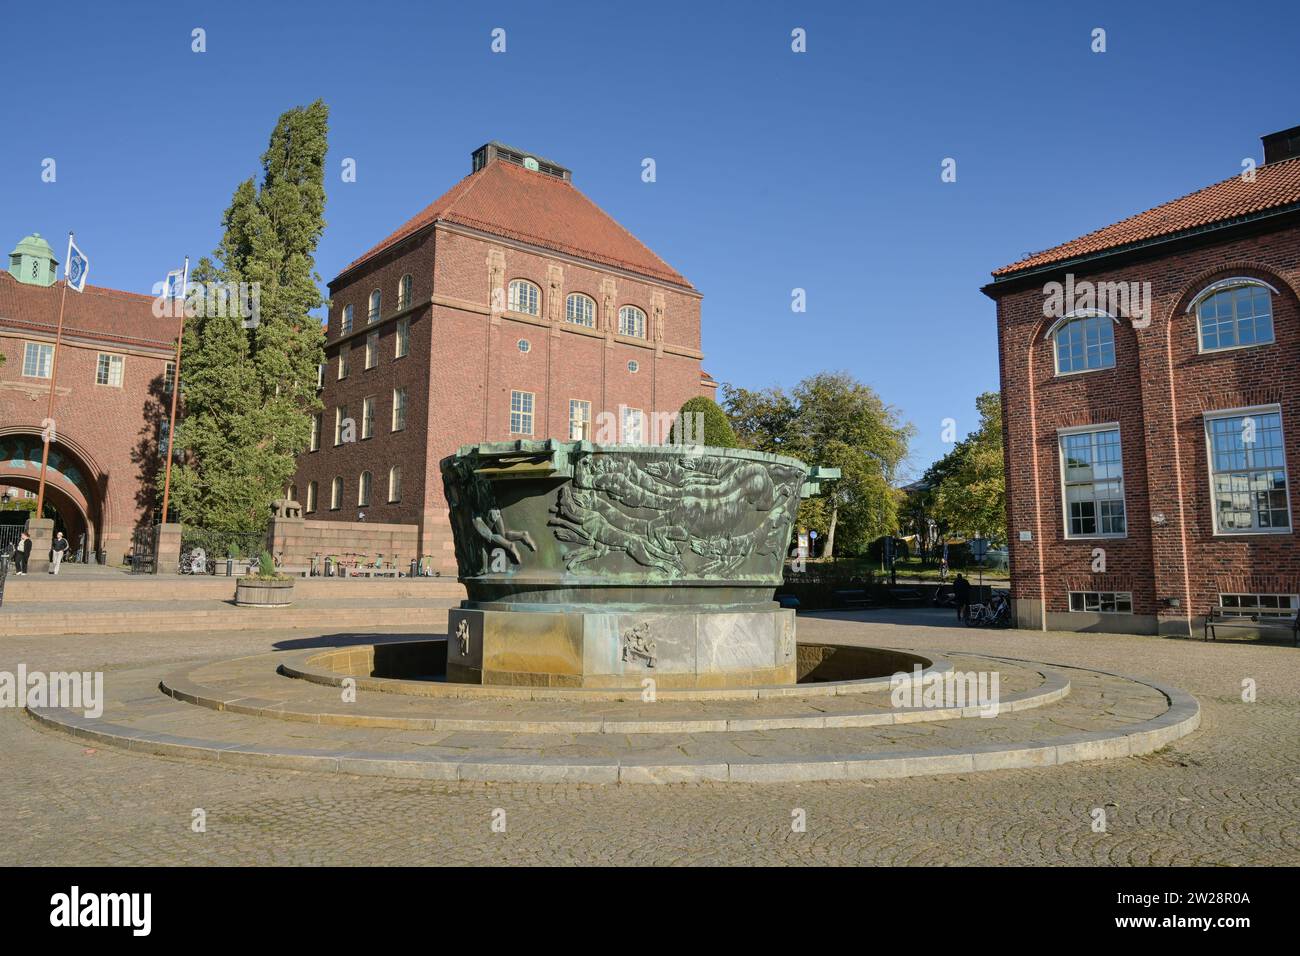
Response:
column 1217, row 619
column 850, row 597
column 907, row 596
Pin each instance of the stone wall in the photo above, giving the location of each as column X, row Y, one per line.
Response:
column 296, row 540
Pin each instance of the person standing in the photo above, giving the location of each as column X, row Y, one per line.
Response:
column 961, row 596
column 56, row 557
column 22, row 553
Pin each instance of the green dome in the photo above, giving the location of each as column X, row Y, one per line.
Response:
column 33, row 262
column 34, row 246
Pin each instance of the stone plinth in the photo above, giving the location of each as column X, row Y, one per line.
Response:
column 167, row 548
column 42, row 532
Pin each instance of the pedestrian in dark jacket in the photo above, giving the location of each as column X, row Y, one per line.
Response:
column 22, row 553
column 961, row 594
column 57, row 552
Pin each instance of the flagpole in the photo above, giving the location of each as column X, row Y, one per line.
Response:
column 176, row 387
column 49, row 405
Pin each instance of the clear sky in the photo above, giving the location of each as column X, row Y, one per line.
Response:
column 775, row 170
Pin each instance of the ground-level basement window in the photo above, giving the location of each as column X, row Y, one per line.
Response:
column 1265, row 605
column 1102, row 602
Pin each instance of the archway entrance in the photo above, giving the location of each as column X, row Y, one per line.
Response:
column 72, row 498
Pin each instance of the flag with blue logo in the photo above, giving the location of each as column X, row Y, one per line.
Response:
column 74, row 273
column 174, row 285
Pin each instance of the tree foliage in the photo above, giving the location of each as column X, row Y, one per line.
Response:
column 968, row 485
column 249, row 393
column 833, row 420
column 717, row 426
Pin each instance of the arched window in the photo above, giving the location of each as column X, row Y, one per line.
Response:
column 363, row 490
column 404, row 292
column 1233, row 313
column 395, row 484
column 631, row 321
column 292, row 493
column 336, row 494
column 311, row 496
column 375, row 301
column 347, row 320
column 580, row 310
column 1084, row 343
column 525, row 297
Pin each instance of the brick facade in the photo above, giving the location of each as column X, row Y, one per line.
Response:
column 1162, row 385
column 464, row 357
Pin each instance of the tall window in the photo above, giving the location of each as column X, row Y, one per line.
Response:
column 1248, row 471
column 368, row 416
column 315, row 433
column 394, row 484
column 347, row 320
column 631, row 321
column 1085, row 344
column 521, row 413
column 399, row 409
column 375, row 299
column 372, row 350
column 169, row 377
column 363, row 490
column 344, row 360
column 336, row 494
column 525, row 297
column 580, row 310
column 579, row 420
column 108, row 370
column 1093, row 470
column 320, row 376
column 403, row 337
column 633, row 428
column 292, row 493
column 311, row 496
column 37, row 359
column 340, row 416
column 1241, row 313
column 404, row 292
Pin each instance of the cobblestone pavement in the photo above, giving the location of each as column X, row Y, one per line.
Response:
column 1226, row 795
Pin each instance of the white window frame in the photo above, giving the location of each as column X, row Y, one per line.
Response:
column 169, row 377
column 340, row 413
column 1115, row 598
column 404, row 291
column 394, row 484
column 398, row 420
column 368, row 417
column 1081, row 315
column 1247, row 412
column 372, row 349
column 45, row 360
column 521, row 415
column 113, row 359
column 403, row 344
column 568, row 310
column 336, row 493
column 345, row 325
column 631, row 436
column 1223, row 285
column 640, row 322
column 365, row 482
column 514, row 303
column 1261, row 613
column 376, row 307
column 1061, row 435
column 583, row 421
column 345, row 361
column 316, row 426
column 311, row 497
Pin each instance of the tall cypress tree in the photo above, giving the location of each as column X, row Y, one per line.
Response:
column 249, row 393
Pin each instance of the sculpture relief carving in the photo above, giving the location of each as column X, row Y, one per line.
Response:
column 555, row 299
column 496, row 263
column 657, row 314
column 480, row 520
column 787, row 637
column 608, row 298
column 462, row 637
column 677, row 515
column 637, row 645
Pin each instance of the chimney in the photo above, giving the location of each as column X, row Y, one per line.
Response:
column 1280, row 146
column 500, row 152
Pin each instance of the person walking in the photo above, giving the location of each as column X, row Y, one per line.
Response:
column 22, row 553
column 57, row 552
column 961, row 596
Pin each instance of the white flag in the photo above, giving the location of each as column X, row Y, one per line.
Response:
column 74, row 273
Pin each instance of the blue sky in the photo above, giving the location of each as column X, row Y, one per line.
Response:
column 775, row 170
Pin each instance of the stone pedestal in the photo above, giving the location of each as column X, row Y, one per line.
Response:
column 42, row 532
column 167, row 548
column 613, row 648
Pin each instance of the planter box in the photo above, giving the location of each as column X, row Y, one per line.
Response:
column 251, row 592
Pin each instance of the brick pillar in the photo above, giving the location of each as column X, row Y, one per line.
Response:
column 166, row 548
column 42, row 532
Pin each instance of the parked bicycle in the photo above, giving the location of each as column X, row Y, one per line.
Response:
column 996, row 613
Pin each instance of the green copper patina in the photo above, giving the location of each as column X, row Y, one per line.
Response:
column 550, row 522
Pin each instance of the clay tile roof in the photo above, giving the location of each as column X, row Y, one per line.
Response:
column 124, row 318
column 541, row 210
column 1276, row 185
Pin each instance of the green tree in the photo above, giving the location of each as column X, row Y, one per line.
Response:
column 717, row 426
column 249, row 389
column 833, row 420
column 968, row 484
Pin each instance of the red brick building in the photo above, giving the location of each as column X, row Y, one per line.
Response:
column 1151, row 403
column 112, row 394
column 510, row 308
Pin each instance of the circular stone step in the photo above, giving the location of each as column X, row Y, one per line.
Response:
column 250, row 686
column 1105, row 716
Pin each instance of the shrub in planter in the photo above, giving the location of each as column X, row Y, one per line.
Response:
column 266, row 588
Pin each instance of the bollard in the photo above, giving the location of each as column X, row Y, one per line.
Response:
column 230, row 567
